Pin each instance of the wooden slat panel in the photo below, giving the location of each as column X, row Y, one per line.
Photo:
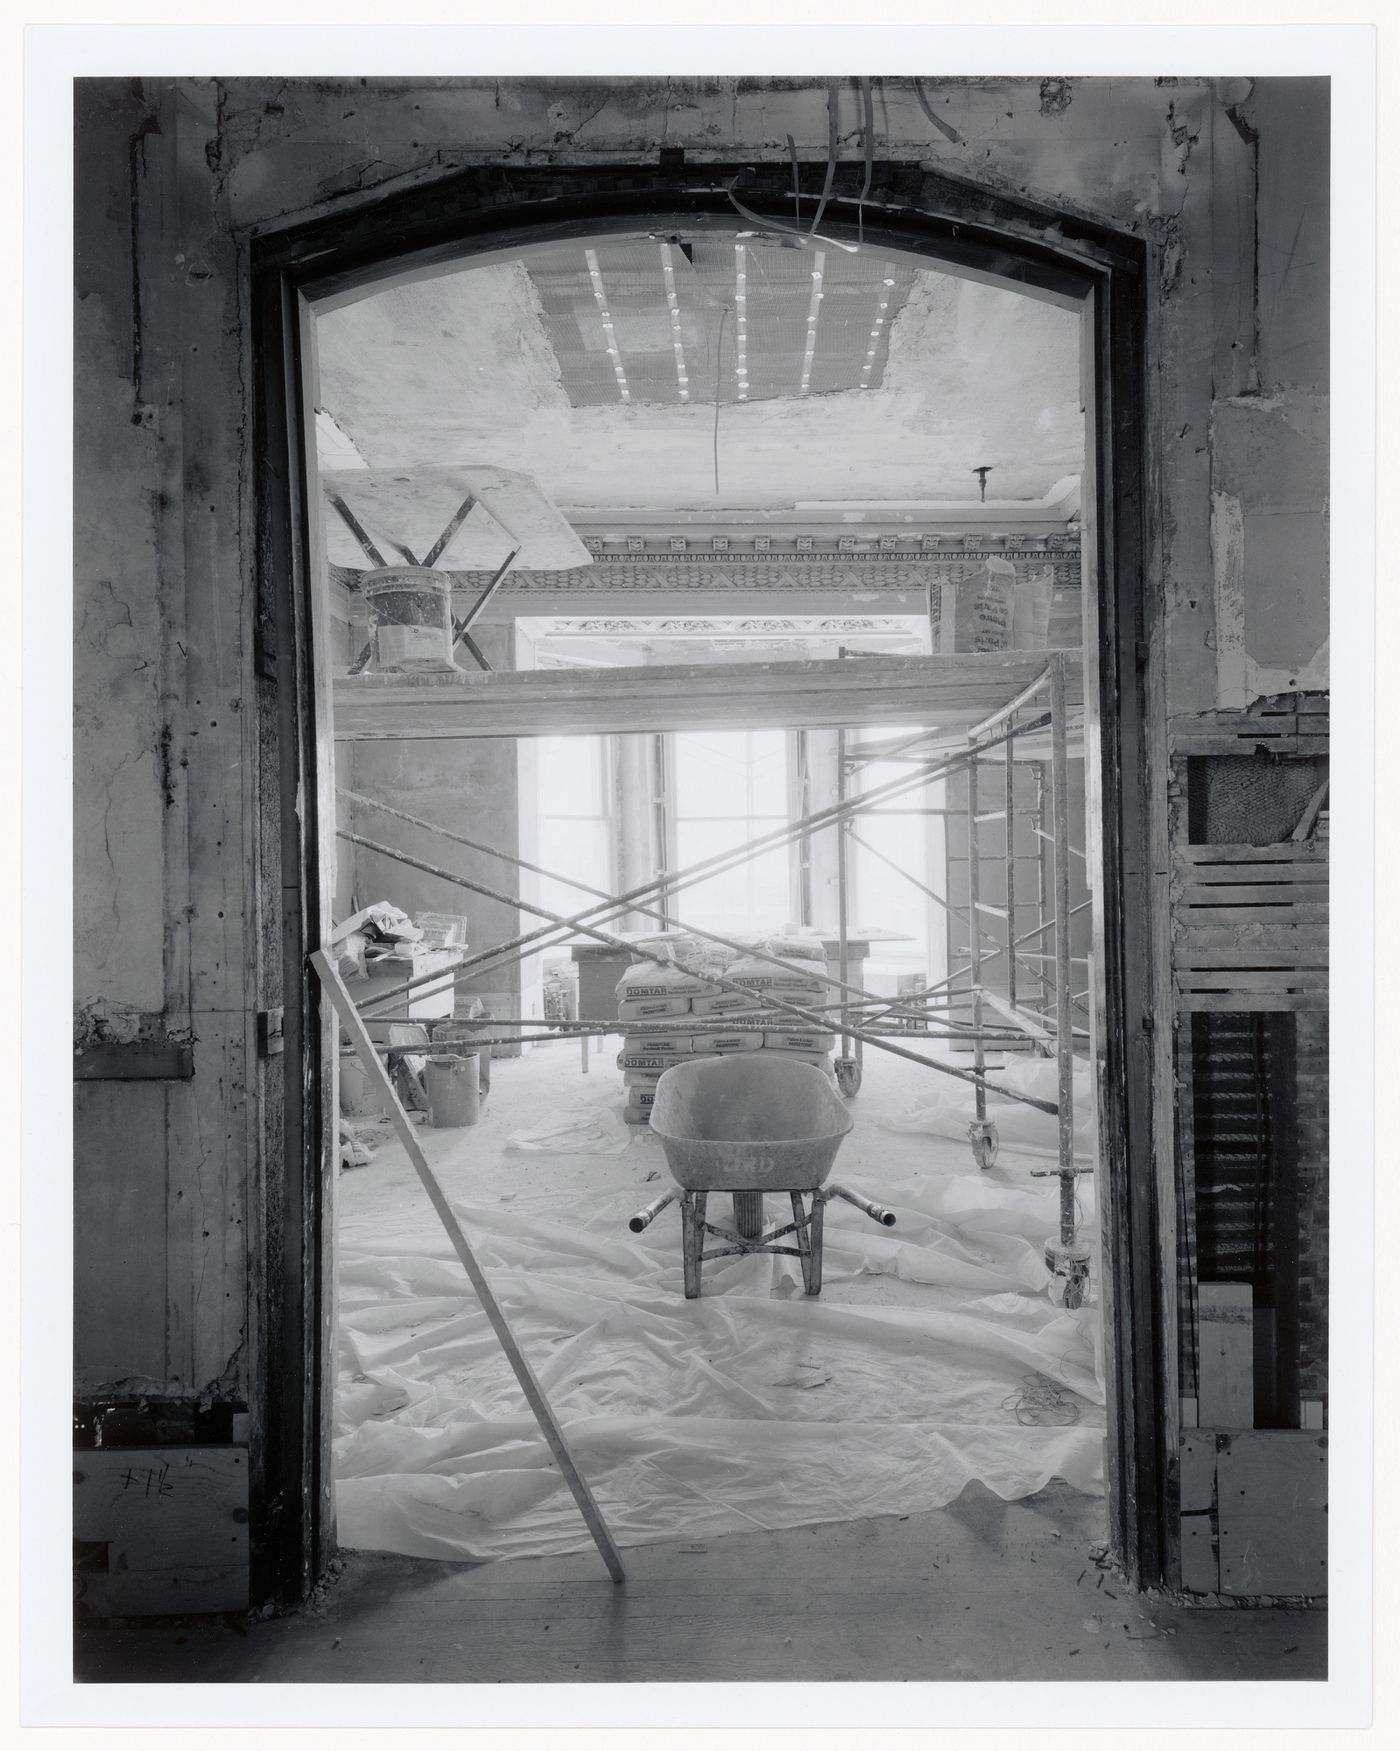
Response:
column 952, row 691
column 1300, row 726
column 174, row 1521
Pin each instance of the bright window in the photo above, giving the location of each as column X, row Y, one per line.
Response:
column 730, row 787
column 575, row 823
column 893, row 834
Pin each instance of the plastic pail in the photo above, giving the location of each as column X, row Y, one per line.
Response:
column 411, row 610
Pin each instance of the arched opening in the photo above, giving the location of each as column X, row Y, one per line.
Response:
column 920, row 249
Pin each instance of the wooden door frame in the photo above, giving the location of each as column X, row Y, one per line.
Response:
column 340, row 254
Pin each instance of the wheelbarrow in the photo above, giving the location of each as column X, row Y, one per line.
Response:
column 749, row 1125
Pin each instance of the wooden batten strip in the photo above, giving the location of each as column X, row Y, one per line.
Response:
column 1248, row 893
column 1261, row 956
column 1231, row 979
column 1251, row 1002
column 1242, row 745
column 1281, row 915
column 1290, row 851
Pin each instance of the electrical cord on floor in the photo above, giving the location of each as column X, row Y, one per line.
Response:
column 1040, row 1404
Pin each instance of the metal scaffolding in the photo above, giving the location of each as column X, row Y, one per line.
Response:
column 1038, row 1004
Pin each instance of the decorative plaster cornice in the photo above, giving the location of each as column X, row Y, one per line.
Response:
column 646, row 574
column 781, row 627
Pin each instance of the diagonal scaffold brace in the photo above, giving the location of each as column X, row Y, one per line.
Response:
column 341, row 1000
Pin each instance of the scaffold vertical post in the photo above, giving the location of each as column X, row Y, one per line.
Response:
column 1064, row 1023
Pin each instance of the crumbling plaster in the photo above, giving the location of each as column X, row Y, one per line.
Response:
column 457, row 369
column 173, row 177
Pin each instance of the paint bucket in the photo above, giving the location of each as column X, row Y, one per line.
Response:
column 456, row 1033
column 410, row 608
column 454, row 1091
column 359, row 1099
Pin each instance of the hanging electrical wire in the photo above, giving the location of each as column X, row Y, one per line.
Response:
column 948, row 132
column 796, row 184
column 868, row 142
column 719, row 367
column 812, row 234
column 832, row 90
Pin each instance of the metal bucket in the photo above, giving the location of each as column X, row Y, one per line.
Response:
column 454, row 1091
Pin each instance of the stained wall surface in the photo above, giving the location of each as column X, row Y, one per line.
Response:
column 1227, row 182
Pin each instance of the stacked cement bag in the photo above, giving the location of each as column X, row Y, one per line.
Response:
column 655, row 998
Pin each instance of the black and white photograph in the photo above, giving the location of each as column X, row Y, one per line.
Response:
column 703, row 1017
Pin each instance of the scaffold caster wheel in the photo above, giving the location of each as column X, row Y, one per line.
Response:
column 847, row 1076
column 1070, row 1265
column 982, row 1134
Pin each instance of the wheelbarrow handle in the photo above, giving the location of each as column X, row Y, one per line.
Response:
column 876, row 1212
column 645, row 1217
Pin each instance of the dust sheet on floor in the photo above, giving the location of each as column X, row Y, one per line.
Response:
column 934, row 1355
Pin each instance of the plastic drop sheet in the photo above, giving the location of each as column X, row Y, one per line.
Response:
column 934, row 1356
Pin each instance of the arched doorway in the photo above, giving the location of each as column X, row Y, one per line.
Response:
column 962, row 232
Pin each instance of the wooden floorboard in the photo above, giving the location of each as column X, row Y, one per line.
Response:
column 982, row 1590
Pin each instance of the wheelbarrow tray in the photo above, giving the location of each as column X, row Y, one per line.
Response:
column 748, row 1123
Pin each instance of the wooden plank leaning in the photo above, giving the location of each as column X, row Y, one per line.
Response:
column 344, row 1006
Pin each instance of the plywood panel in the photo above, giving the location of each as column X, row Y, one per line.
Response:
column 166, row 1529
column 1200, row 1564
column 1226, row 1386
column 1197, row 1472
column 1279, row 1554
column 119, row 1207
column 509, row 512
column 1281, row 1471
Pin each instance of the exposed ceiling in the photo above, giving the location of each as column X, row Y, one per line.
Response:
column 596, row 371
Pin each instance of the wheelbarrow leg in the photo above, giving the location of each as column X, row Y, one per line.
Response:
column 692, row 1239
column 813, row 1272
column 804, row 1243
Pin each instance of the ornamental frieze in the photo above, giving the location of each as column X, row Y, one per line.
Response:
column 642, row 575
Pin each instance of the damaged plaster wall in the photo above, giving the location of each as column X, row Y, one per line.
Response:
column 1227, row 184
